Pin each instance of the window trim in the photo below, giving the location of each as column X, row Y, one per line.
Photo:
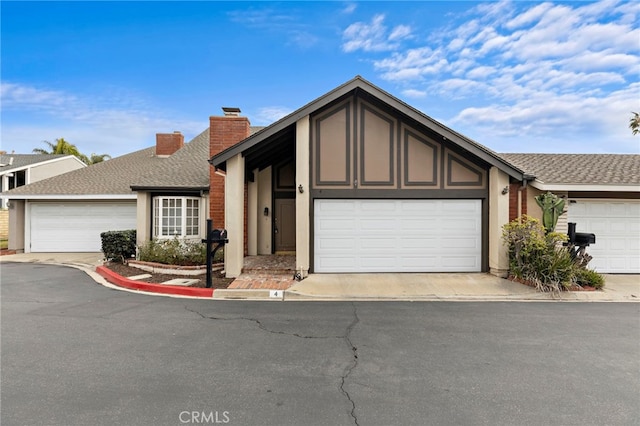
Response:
column 157, row 216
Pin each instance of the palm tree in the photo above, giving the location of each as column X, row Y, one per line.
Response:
column 60, row 147
column 634, row 123
column 63, row 147
column 98, row 158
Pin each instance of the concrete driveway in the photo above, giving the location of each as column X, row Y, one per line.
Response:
column 431, row 286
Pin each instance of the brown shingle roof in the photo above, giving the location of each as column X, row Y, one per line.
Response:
column 580, row 169
column 10, row 162
column 188, row 167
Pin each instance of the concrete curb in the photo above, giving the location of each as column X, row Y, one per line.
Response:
column 121, row 281
column 105, row 277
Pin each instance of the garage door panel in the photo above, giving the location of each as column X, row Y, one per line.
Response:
column 336, row 224
column 380, row 225
column 454, row 262
column 616, row 225
column 398, row 236
column 76, row 227
column 411, row 243
column 460, row 243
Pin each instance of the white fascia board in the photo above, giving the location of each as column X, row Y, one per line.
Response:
column 42, row 163
column 54, row 160
column 71, row 197
column 579, row 187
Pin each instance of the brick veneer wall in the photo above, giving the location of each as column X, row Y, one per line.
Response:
column 513, row 200
column 223, row 133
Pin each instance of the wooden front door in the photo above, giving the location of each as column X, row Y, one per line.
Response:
column 285, row 224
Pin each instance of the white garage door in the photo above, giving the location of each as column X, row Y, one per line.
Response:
column 397, row 235
column 616, row 225
column 76, row 227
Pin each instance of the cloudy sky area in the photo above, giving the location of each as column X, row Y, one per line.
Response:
column 514, row 76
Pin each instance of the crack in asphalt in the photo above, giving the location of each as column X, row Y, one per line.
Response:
column 354, row 363
column 346, row 337
column 261, row 326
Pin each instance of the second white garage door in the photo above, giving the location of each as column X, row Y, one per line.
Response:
column 76, row 227
column 616, row 224
column 397, row 235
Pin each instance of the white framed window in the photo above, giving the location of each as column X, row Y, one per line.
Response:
column 176, row 217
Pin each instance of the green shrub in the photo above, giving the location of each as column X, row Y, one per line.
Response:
column 538, row 257
column 118, row 246
column 175, row 252
column 588, row 277
column 541, row 258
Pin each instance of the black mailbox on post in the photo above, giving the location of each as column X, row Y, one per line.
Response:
column 217, row 236
column 582, row 239
column 214, row 236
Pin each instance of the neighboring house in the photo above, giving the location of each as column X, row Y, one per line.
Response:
column 602, row 194
column 359, row 181
column 354, row 181
column 161, row 191
column 22, row 169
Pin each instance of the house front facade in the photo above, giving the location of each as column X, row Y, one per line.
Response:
column 357, row 181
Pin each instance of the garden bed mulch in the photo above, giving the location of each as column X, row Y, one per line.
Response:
column 574, row 287
column 218, row 279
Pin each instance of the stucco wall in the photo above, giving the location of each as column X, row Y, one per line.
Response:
column 265, row 200
column 16, row 225
column 54, row 168
column 498, row 217
column 303, row 200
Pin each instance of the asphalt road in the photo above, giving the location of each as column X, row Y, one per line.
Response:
column 76, row 353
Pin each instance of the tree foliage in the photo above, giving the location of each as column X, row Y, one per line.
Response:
column 61, row 146
column 634, row 123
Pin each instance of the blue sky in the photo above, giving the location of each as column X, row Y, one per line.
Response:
column 515, row 76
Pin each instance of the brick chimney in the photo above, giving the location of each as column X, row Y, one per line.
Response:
column 168, row 143
column 224, row 131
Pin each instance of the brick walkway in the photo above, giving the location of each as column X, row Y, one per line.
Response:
column 274, row 272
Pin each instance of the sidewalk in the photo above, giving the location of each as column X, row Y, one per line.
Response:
column 340, row 287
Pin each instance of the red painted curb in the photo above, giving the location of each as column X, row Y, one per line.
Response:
column 121, row 281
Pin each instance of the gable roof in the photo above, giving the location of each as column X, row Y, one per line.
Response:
column 11, row 162
column 112, row 179
column 107, row 179
column 360, row 84
column 570, row 171
column 187, row 168
column 120, row 177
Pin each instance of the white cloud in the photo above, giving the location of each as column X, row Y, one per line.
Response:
column 115, row 124
column 529, row 16
column 413, row 93
column 372, row 37
column 270, row 114
column 267, row 19
column 537, row 68
column 400, row 32
column 350, row 8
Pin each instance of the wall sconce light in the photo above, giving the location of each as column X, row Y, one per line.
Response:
column 300, row 188
column 505, row 190
column 266, row 211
